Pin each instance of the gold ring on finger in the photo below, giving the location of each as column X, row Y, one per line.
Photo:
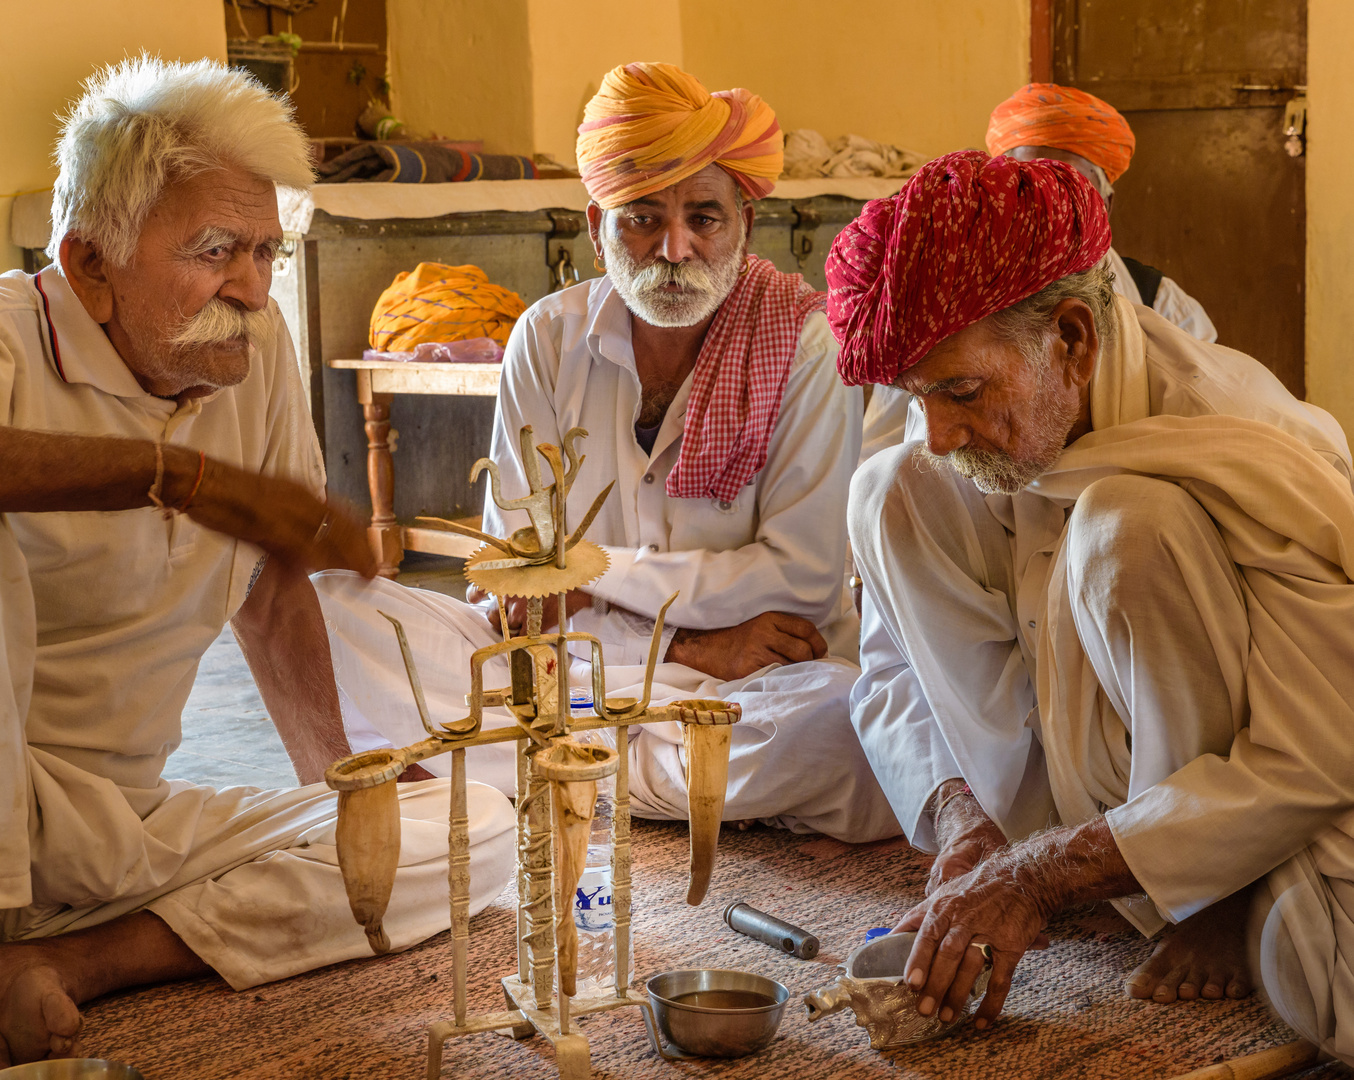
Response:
column 984, row 948
column 323, row 530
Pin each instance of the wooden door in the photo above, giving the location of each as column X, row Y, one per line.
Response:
column 1212, row 198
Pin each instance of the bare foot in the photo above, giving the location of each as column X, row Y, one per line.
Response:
column 1203, row 957
column 38, row 1017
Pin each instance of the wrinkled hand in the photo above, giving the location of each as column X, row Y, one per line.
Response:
column 737, row 651
column 283, row 518
column 574, row 601
column 986, row 906
column 966, row 836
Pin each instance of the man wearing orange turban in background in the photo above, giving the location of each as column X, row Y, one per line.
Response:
column 1060, row 123
column 1043, row 120
column 705, row 379
column 1107, row 588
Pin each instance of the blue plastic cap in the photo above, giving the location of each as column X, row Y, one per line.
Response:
column 878, row 931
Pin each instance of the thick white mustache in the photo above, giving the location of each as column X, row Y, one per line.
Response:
column 660, row 272
column 218, row 323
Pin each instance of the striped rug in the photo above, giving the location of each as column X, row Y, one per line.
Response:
column 1066, row 1016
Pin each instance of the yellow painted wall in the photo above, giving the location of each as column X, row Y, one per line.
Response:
column 568, row 65
column 923, row 74
column 1330, row 209
column 50, row 48
column 461, row 69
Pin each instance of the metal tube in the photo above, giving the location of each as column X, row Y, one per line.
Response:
column 777, row 933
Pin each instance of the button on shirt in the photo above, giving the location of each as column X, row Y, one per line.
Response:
column 779, row 546
column 124, row 603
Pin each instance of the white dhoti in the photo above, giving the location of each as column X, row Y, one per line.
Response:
column 1147, row 616
column 248, row 879
column 794, row 760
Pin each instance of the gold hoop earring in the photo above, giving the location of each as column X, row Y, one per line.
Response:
column 598, row 264
column 747, row 265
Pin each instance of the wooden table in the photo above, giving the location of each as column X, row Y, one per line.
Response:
column 378, row 381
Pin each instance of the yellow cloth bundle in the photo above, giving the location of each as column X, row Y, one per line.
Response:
column 442, row 303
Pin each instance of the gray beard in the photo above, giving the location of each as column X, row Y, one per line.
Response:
column 995, row 472
column 704, row 285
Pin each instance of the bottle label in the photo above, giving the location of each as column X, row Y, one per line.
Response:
column 592, row 900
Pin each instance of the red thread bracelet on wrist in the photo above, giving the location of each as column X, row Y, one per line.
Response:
column 201, row 468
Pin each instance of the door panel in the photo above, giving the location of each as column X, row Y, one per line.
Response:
column 1211, row 198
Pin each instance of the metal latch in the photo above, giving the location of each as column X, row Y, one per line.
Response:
column 807, row 220
column 1295, row 126
column 559, row 249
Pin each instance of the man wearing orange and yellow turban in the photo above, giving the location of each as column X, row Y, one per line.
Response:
column 706, row 381
column 1043, row 120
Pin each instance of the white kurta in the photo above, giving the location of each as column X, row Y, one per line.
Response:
column 778, row 546
column 1158, row 629
column 1171, row 302
column 106, row 615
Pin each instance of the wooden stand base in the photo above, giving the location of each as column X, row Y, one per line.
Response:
column 523, row 1020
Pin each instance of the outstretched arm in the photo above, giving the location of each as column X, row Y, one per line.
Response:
column 48, row 471
column 1006, row 903
column 281, row 632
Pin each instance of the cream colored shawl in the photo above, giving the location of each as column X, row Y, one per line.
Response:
column 1286, row 517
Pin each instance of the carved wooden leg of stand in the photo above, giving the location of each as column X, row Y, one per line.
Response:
column 573, row 1058
column 384, row 533
column 620, row 860
column 458, row 883
column 536, row 860
column 523, row 790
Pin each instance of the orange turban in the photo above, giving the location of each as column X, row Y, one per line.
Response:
column 651, row 125
column 1045, row 114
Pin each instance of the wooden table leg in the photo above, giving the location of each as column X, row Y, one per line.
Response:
column 384, row 531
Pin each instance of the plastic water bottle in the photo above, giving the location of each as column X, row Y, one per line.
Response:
column 594, row 914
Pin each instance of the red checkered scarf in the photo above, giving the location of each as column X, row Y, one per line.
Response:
column 739, row 382
column 967, row 236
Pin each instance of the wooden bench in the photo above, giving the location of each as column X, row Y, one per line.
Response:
column 378, row 381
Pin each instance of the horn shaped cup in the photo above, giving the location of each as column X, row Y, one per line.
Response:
column 573, row 770
column 368, row 840
column 706, row 731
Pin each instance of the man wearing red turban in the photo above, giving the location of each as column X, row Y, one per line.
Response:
column 1044, row 120
column 1086, row 606
column 706, row 380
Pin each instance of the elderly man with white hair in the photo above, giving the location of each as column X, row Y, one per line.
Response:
column 162, row 477
column 705, row 379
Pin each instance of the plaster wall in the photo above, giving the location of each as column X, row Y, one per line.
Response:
column 917, row 73
column 568, row 65
column 461, row 69
column 50, row 49
column 1330, row 209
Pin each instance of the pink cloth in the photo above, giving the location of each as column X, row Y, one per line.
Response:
column 967, row 236
column 739, row 382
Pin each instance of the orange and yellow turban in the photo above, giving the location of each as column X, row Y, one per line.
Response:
column 442, row 303
column 651, row 125
column 1045, row 114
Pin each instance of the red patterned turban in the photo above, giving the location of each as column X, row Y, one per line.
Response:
column 651, row 125
column 967, row 236
column 1045, row 114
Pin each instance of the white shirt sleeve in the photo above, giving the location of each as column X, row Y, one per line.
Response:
column 795, row 563
column 889, row 710
column 1175, row 305
column 293, row 449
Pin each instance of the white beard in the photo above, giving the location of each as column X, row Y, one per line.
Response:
column 704, row 285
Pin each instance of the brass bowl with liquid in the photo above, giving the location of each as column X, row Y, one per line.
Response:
column 708, row 1012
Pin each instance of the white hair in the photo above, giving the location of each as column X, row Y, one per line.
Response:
column 145, row 123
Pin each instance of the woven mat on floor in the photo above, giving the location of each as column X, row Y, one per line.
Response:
column 1066, row 1015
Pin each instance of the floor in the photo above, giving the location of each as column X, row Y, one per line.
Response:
column 228, row 739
